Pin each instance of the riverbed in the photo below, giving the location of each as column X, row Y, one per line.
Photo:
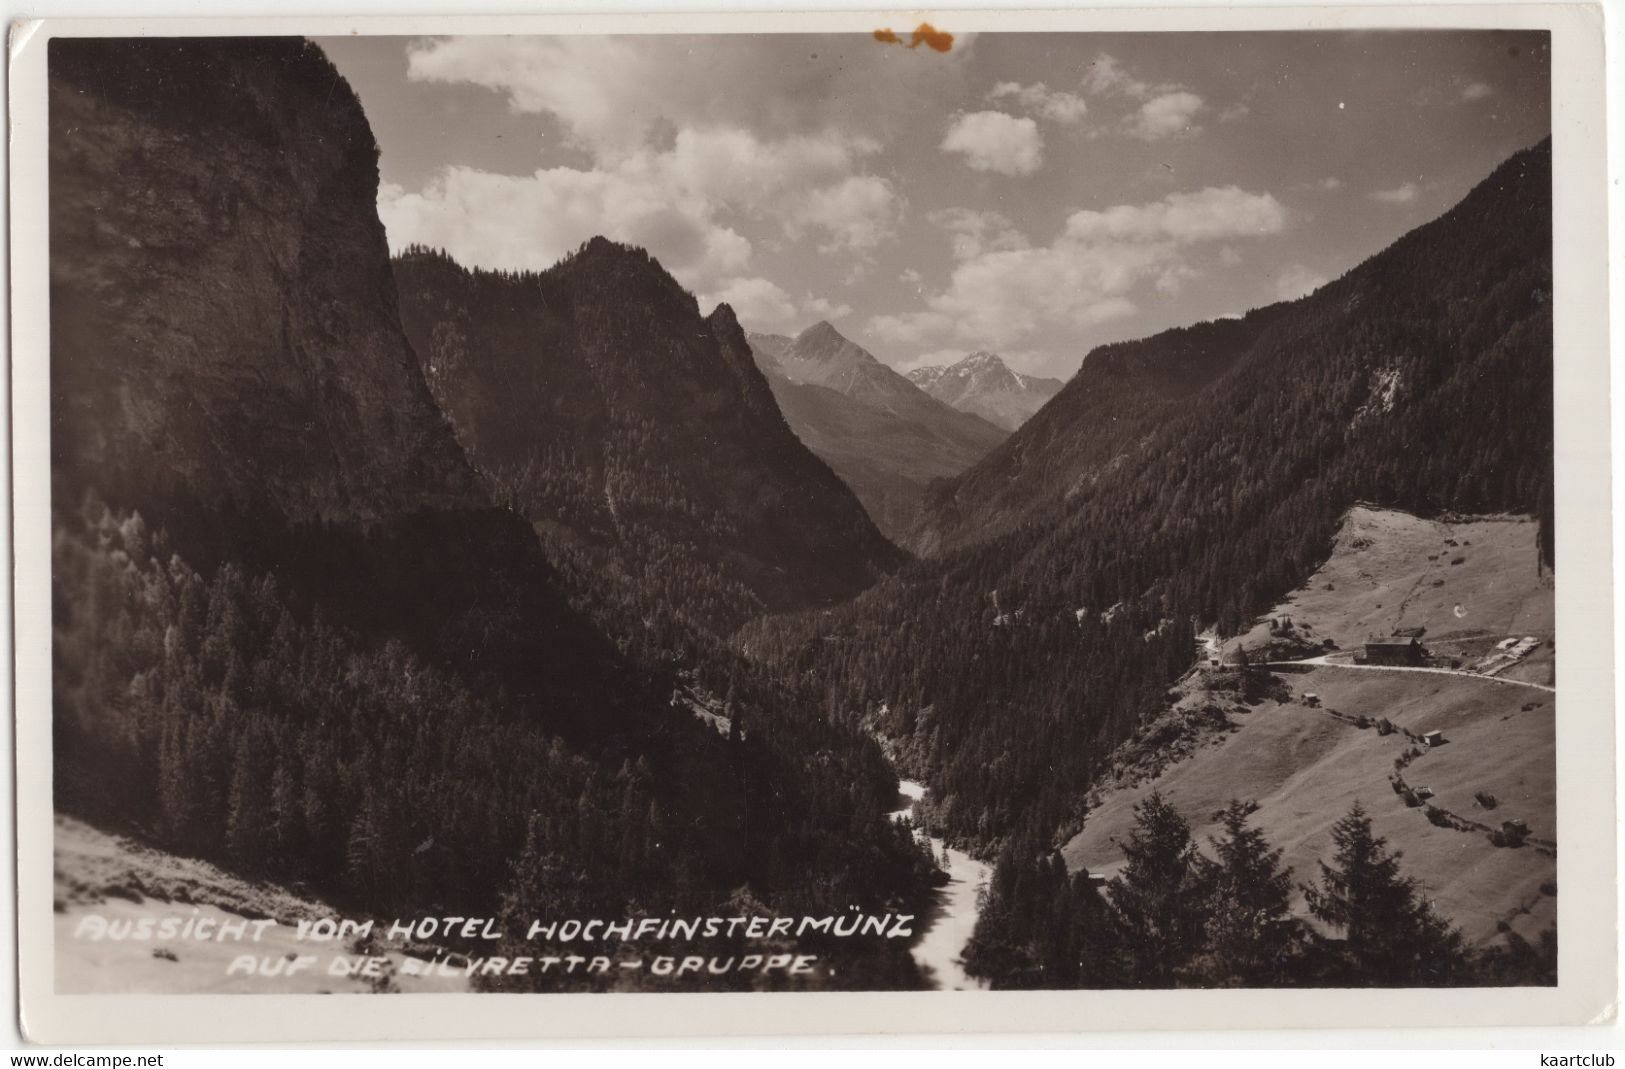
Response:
column 946, row 929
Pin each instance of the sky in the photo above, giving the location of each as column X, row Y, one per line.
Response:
column 1032, row 194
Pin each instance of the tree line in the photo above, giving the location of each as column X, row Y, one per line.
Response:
column 1176, row 916
column 223, row 716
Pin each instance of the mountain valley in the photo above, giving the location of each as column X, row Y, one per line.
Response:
column 393, row 584
column 880, row 433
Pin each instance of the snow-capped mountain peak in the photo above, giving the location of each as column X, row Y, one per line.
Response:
column 984, row 384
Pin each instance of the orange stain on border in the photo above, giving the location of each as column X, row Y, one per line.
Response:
column 924, row 34
column 932, row 38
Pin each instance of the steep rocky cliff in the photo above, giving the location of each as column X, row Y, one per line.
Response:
column 223, row 320
column 227, row 359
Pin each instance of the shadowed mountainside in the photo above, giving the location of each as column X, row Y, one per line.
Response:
column 611, row 413
column 1386, row 378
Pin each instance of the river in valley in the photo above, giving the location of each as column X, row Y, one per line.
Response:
column 947, row 927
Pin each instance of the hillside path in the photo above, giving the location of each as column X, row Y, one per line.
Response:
column 1327, row 662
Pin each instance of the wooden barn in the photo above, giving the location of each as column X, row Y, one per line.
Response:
column 1395, row 651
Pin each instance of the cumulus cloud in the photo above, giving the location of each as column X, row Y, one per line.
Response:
column 1206, row 215
column 570, row 77
column 1173, row 278
column 1476, row 91
column 974, row 232
column 613, row 94
column 732, row 164
column 819, row 308
column 1297, row 281
column 1108, row 76
column 1092, row 272
column 855, row 214
column 757, row 302
column 810, row 184
column 1000, row 298
column 763, row 305
column 677, row 203
column 512, row 222
column 994, row 141
column 1166, row 115
column 911, row 328
column 1055, row 105
column 671, row 164
column 1329, row 185
column 1161, row 110
column 1402, row 194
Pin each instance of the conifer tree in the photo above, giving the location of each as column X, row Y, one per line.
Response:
column 246, row 812
column 1392, row 936
column 1161, row 895
column 1251, row 934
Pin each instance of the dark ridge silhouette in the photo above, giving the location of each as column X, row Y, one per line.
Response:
column 609, row 411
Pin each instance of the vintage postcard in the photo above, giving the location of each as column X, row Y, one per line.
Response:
column 812, row 523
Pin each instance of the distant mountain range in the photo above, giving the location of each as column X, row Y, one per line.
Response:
column 984, row 385
column 881, row 433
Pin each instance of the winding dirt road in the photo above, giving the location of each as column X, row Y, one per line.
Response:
column 1325, row 661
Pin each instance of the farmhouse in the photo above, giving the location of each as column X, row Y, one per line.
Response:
column 1394, row 651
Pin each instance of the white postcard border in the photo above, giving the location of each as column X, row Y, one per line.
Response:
column 1587, row 907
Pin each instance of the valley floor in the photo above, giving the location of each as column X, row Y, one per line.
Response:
column 945, row 930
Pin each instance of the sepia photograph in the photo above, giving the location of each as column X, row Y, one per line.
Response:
column 881, row 509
